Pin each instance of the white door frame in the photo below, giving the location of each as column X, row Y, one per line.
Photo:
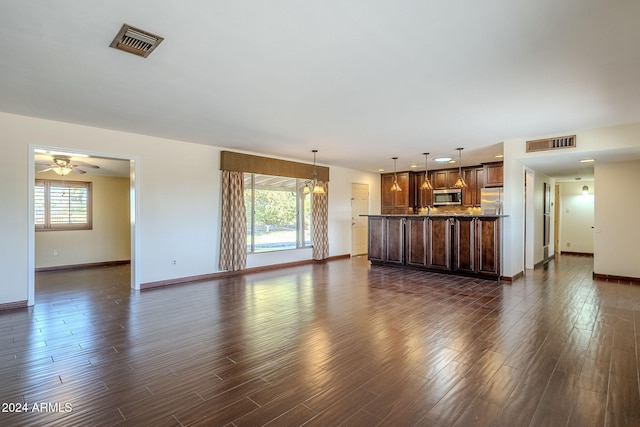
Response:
column 134, row 213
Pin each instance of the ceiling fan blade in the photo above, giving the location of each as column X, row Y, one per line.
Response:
column 84, row 165
column 77, row 170
column 45, row 170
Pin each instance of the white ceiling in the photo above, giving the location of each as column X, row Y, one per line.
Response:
column 359, row 80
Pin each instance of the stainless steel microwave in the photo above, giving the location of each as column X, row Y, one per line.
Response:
column 447, row 197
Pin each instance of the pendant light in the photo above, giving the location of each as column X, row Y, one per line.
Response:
column 313, row 186
column 395, row 186
column 460, row 183
column 426, row 185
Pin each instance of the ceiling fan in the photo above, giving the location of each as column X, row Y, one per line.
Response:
column 62, row 165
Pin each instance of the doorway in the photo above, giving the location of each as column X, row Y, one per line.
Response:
column 359, row 224
column 132, row 220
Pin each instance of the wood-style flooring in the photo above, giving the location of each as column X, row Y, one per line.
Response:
column 334, row 344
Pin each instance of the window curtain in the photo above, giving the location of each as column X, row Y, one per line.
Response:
column 233, row 233
column 320, row 221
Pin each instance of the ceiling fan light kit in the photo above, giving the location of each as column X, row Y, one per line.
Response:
column 63, row 166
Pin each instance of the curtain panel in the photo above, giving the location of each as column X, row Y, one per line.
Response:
column 320, row 222
column 233, row 232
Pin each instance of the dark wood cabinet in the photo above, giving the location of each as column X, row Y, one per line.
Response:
column 417, row 241
column 412, row 197
column 444, row 179
column 493, row 174
column 477, row 245
column 466, row 245
column 439, row 252
column 376, row 238
column 474, row 178
column 488, row 246
column 396, row 202
column 394, row 240
column 422, row 198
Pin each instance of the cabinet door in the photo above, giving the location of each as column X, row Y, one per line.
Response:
column 394, row 240
column 439, row 249
column 464, row 244
column 402, row 197
column 493, row 173
column 376, row 239
column 488, row 246
column 417, row 239
column 423, row 198
column 469, row 193
column 452, row 177
column 471, row 196
column 439, row 180
column 388, row 197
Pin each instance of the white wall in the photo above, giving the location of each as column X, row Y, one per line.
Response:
column 109, row 238
column 576, row 217
column 513, row 224
column 617, row 233
column 179, row 200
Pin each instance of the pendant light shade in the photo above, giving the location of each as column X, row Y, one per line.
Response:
column 395, row 186
column 426, row 185
column 313, row 186
column 460, row 182
column 585, row 190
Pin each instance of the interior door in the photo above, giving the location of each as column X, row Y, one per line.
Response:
column 359, row 206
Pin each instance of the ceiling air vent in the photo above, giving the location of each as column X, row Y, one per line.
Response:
column 551, row 143
column 136, row 41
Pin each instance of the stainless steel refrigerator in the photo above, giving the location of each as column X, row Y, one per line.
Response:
column 491, row 201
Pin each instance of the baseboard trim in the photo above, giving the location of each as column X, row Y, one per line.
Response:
column 223, row 274
column 82, row 266
column 614, row 278
column 13, row 305
column 587, row 254
column 513, row 278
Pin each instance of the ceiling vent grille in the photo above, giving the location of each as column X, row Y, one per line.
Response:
column 551, row 143
column 136, row 41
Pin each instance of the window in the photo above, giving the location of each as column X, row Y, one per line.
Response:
column 278, row 213
column 62, row 205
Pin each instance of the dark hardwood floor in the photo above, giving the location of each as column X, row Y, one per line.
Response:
column 331, row 344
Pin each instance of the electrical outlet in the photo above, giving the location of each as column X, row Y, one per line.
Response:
column 568, row 244
column 55, row 252
column 174, row 262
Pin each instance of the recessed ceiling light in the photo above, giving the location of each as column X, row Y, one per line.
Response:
column 499, row 156
column 414, row 166
column 380, row 170
column 587, row 160
column 442, row 159
column 452, row 161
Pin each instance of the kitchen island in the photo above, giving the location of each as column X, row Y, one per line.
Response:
column 468, row 245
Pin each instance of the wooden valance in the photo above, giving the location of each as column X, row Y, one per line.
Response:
column 230, row 161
